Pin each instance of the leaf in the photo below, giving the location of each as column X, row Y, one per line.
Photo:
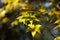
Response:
column 9, row 7
column 5, row 20
column 16, row 3
column 57, row 21
column 58, row 6
column 42, row 10
column 57, row 38
column 24, row 6
column 58, row 26
column 14, row 23
column 31, row 25
column 36, row 30
column 20, row 18
column 2, row 14
column 8, row 1
column 33, row 33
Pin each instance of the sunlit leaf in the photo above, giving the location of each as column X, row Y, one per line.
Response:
column 57, row 21
column 58, row 6
column 31, row 25
column 24, row 6
column 14, row 23
column 58, row 26
column 2, row 14
column 42, row 10
column 36, row 30
column 16, row 3
column 8, row 1
column 8, row 7
column 57, row 38
column 5, row 20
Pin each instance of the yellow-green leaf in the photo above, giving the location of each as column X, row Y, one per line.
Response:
column 57, row 38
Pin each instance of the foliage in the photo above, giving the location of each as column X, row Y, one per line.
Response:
column 30, row 19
